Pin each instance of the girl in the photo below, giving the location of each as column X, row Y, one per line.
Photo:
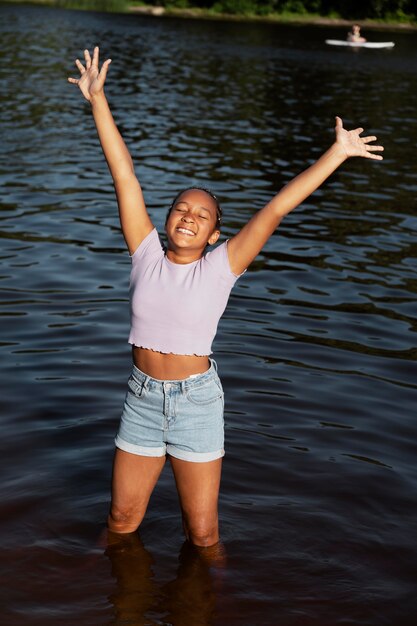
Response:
column 174, row 403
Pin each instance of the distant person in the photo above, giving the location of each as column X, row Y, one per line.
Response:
column 174, row 402
column 354, row 35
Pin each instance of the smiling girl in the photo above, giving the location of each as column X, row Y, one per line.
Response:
column 174, row 403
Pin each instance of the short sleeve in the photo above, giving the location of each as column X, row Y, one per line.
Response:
column 150, row 246
column 218, row 259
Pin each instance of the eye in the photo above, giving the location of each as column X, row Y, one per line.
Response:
column 204, row 217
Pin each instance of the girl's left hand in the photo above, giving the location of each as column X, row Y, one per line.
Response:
column 354, row 145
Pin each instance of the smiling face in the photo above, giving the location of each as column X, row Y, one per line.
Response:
column 192, row 222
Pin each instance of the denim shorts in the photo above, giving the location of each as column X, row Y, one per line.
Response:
column 183, row 418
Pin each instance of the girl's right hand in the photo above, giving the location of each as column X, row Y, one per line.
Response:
column 92, row 80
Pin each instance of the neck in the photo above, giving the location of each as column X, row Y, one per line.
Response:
column 184, row 256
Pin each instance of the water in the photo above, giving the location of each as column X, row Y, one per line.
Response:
column 317, row 349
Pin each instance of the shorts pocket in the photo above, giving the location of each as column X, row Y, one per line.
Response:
column 135, row 387
column 205, row 394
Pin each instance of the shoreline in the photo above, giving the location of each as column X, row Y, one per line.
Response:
column 294, row 19
column 307, row 19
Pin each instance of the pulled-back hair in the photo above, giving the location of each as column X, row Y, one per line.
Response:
column 219, row 212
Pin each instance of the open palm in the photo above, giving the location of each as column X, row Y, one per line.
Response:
column 92, row 80
column 354, row 145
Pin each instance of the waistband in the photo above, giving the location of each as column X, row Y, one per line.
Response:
column 187, row 383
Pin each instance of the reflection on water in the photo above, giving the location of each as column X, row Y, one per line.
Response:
column 317, row 349
column 188, row 599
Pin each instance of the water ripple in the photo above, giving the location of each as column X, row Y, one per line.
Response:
column 317, row 348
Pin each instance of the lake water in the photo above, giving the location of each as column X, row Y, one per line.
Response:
column 317, row 348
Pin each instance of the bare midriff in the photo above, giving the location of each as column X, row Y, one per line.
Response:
column 169, row 366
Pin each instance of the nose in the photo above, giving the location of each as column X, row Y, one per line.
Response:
column 187, row 218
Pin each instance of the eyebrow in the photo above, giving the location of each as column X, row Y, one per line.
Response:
column 188, row 204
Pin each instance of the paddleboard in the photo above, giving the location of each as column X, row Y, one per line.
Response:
column 360, row 44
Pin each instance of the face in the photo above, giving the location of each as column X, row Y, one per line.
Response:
column 192, row 221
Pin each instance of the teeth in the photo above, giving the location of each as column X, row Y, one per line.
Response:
column 185, row 231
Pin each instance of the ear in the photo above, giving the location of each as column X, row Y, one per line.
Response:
column 214, row 237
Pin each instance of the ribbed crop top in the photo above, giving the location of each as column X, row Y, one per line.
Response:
column 176, row 308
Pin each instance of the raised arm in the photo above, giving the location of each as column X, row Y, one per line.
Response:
column 134, row 218
column 249, row 241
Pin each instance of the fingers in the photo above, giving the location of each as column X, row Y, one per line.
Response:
column 339, row 123
column 80, row 66
column 88, row 61
column 375, row 148
column 91, row 78
column 371, row 149
column 376, row 157
column 104, row 68
column 87, row 58
column 95, row 57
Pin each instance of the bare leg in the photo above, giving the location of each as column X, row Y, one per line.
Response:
column 198, row 489
column 134, row 478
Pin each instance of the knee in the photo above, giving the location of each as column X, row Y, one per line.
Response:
column 123, row 519
column 203, row 533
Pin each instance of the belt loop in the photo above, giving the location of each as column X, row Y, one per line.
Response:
column 214, row 364
column 145, row 382
column 183, row 387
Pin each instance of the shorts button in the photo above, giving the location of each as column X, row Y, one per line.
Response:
column 168, row 386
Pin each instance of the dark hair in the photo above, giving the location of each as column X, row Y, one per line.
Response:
column 219, row 212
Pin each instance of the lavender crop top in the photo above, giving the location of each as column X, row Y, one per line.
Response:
column 176, row 308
